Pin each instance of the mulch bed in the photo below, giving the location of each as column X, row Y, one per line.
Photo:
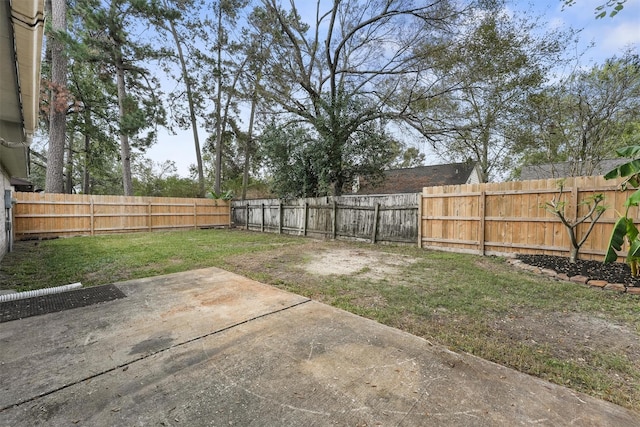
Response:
column 595, row 270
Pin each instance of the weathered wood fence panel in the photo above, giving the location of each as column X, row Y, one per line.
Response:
column 389, row 218
column 506, row 218
column 41, row 215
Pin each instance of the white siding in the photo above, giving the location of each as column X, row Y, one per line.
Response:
column 474, row 176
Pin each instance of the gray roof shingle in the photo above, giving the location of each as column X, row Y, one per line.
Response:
column 412, row 180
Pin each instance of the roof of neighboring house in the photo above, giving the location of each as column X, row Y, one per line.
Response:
column 21, row 184
column 21, row 30
column 565, row 169
column 412, row 180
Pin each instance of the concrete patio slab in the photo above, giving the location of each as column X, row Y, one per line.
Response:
column 212, row 348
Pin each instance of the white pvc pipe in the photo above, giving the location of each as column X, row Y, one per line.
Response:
column 39, row 292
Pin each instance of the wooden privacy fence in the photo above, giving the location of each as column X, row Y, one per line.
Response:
column 389, row 218
column 493, row 219
column 40, row 215
column 507, row 218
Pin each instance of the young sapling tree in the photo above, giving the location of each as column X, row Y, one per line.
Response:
column 595, row 209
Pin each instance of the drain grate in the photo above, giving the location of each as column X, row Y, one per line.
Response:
column 19, row 309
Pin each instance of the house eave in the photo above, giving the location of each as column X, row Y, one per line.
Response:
column 21, row 32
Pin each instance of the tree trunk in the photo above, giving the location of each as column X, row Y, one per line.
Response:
column 248, row 147
column 192, row 112
column 125, row 149
column 573, row 257
column 484, row 161
column 54, row 181
column 218, row 163
column 69, row 166
column 86, row 178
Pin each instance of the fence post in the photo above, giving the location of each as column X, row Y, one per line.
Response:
column 374, row 232
column 304, row 223
column 483, row 200
column 246, row 214
column 280, row 216
column 334, row 225
column 262, row 219
column 195, row 215
column 92, row 213
column 419, row 219
column 149, row 215
column 574, row 199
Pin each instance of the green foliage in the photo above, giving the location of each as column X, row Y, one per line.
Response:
column 118, row 93
column 161, row 180
column 303, row 163
column 227, row 195
column 611, row 7
column 293, row 158
column 483, row 76
column 618, row 5
column 104, row 37
column 583, row 118
column 624, row 227
column 409, row 157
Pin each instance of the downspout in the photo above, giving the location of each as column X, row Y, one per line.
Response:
column 39, row 292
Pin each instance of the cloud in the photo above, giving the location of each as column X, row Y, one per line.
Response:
column 620, row 36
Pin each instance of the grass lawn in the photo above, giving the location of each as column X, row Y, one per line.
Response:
column 583, row 338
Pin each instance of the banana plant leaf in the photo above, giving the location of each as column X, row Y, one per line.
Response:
column 617, row 239
column 633, row 200
column 624, row 170
column 630, row 151
column 634, row 250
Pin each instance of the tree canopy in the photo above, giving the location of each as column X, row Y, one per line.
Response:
column 309, row 96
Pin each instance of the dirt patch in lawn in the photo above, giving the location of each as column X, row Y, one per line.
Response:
column 571, row 335
column 364, row 263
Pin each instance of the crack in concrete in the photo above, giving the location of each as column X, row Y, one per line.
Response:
column 148, row 355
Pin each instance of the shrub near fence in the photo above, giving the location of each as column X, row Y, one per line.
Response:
column 42, row 215
column 388, row 218
column 506, row 218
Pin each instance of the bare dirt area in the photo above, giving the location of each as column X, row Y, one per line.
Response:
column 364, row 263
column 571, row 335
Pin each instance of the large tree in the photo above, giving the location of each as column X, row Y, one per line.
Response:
column 92, row 117
column 484, row 77
column 109, row 41
column 585, row 117
column 298, row 162
column 338, row 75
column 221, row 68
column 181, row 29
column 256, row 47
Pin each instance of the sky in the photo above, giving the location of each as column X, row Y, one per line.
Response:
column 609, row 36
